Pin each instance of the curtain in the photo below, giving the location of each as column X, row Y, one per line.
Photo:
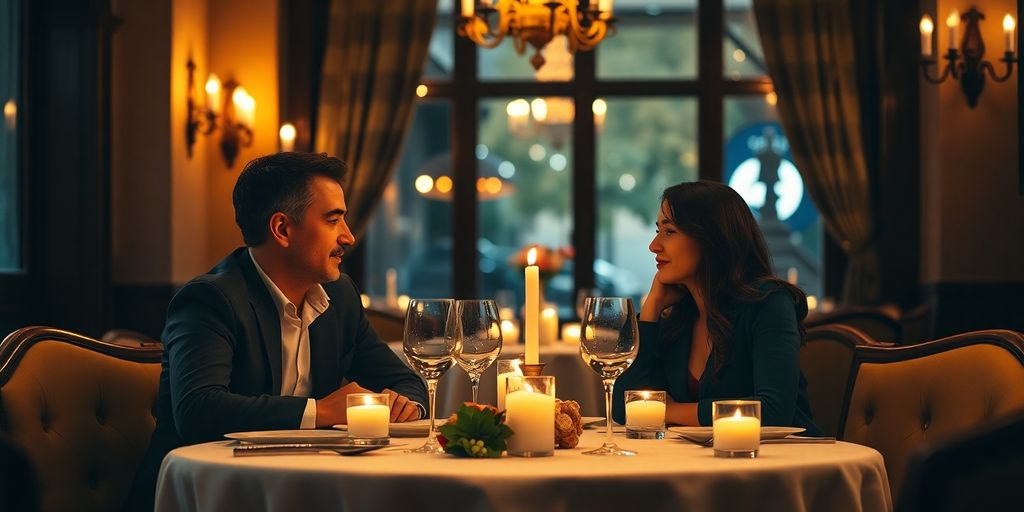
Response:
column 809, row 51
column 375, row 53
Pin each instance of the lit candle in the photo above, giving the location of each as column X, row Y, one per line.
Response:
column 518, row 111
column 1008, row 25
column 548, row 325
column 571, row 332
column 506, row 314
column 513, row 370
column 213, row 93
column 645, row 412
column 287, row 135
column 600, row 108
column 365, row 299
column 391, row 291
column 509, row 331
column 926, row 35
column 531, row 322
column 403, row 302
column 531, row 415
column 812, row 303
column 369, row 418
column 245, row 107
column 10, row 115
column 792, row 275
column 953, row 22
column 605, row 6
column 737, row 433
column 468, row 7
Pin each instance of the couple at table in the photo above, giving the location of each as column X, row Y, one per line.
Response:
column 275, row 337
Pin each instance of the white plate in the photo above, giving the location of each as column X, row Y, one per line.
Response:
column 701, row 434
column 416, row 428
column 288, row 436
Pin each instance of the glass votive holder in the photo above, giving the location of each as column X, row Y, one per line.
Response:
column 506, row 368
column 368, row 414
column 530, row 413
column 645, row 414
column 736, row 428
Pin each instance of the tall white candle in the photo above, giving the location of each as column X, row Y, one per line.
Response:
column 927, row 27
column 368, row 420
column 953, row 23
column 531, row 416
column 1008, row 25
column 737, row 433
column 645, row 413
column 531, row 322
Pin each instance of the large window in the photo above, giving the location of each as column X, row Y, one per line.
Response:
column 576, row 155
column 10, row 75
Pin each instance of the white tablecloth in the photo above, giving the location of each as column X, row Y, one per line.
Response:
column 573, row 379
column 665, row 475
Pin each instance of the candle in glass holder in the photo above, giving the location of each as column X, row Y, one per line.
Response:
column 645, row 408
column 736, row 428
column 530, row 413
column 368, row 414
column 506, row 368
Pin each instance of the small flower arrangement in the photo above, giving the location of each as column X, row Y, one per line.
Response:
column 549, row 261
column 475, row 431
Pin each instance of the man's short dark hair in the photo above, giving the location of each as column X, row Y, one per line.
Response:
column 278, row 183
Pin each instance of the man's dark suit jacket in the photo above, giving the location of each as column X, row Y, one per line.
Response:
column 222, row 362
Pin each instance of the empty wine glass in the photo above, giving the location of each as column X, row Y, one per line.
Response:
column 424, row 344
column 608, row 344
column 475, row 337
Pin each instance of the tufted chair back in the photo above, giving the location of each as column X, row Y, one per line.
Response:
column 81, row 410
column 903, row 396
column 878, row 323
column 825, row 360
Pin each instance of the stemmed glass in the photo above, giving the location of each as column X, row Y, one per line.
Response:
column 424, row 344
column 609, row 341
column 581, row 299
column 474, row 337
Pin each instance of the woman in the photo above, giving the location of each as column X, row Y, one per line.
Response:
column 717, row 324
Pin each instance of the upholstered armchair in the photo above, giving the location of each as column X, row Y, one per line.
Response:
column 902, row 397
column 825, row 360
column 81, row 410
column 881, row 324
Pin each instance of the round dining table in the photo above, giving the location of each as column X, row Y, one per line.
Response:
column 667, row 474
column 574, row 380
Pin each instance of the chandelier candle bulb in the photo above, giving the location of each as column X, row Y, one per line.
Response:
column 1008, row 30
column 368, row 414
column 927, row 27
column 468, row 7
column 605, row 6
column 287, row 136
column 953, row 22
column 213, row 94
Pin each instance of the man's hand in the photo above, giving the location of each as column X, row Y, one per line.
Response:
column 402, row 409
column 330, row 410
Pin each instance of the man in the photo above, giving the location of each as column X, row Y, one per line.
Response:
column 267, row 339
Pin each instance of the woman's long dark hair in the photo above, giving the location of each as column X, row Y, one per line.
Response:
column 734, row 262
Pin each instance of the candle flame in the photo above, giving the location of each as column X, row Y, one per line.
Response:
column 287, row 132
column 927, row 26
column 531, row 256
column 213, row 84
column 528, row 388
column 1008, row 23
column 953, row 19
column 515, row 366
column 737, row 415
column 645, row 395
column 367, row 400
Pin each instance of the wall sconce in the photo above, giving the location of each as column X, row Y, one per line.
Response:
column 228, row 106
column 971, row 70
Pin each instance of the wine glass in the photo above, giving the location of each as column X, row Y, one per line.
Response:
column 424, row 344
column 581, row 299
column 608, row 343
column 475, row 337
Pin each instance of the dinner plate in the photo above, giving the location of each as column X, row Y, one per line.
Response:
column 418, row 428
column 289, row 436
column 701, row 434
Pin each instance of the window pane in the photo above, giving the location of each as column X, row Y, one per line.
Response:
column 10, row 223
column 411, row 229
column 653, row 39
column 793, row 228
column 644, row 146
column 532, row 162
column 503, row 63
column 742, row 43
column 441, row 54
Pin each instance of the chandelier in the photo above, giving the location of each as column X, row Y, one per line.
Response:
column 583, row 22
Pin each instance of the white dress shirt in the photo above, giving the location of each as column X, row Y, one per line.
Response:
column 295, row 379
